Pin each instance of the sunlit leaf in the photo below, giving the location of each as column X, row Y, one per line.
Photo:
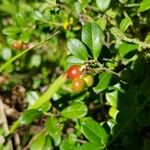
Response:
column 103, row 82
column 103, row 4
column 75, row 110
column 94, row 132
column 78, row 49
column 93, row 37
column 125, row 23
column 145, row 5
column 29, row 115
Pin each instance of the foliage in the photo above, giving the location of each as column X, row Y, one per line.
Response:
column 109, row 40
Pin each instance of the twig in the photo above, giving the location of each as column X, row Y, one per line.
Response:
column 136, row 41
column 132, row 5
column 5, row 65
column 119, row 35
column 107, row 43
column 4, row 122
column 81, row 141
column 101, row 67
column 17, row 141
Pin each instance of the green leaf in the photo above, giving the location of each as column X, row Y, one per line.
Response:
column 54, row 129
column 116, row 32
column 125, row 23
column 35, row 61
column 74, row 111
column 11, row 30
column 37, row 15
column 93, row 37
column 78, row 49
column 112, row 98
column 42, row 142
column 19, row 19
column 74, row 60
column 53, row 88
column 45, row 107
column 66, row 145
column 29, row 115
column 52, row 126
column 113, row 112
column 111, row 13
column 25, row 36
column 145, row 5
column 102, row 22
column 94, row 132
column 104, row 82
column 103, row 4
column 91, row 146
column 84, row 3
column 70, row 143
column 126, row 48
column 32, row 96
column 44, row 99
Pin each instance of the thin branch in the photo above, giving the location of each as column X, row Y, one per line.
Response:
column 101, row 67
column 132, row 5
column 119, row 35
column 17, row 141
column 4, row 122
column 5, row 65
column 81, row 141
column 136, row 41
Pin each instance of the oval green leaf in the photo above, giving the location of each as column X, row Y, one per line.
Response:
column 94, row 132
column 78, row 49
column 29, row 115
column 93, row 37
column 91, row 146
column 19, row 19
column 104, row 82
column 74, row 60
column 74, row 111
column 125, row 23
column 145, row 5
column 112, row 98
column 52, row 126
column 42, row 142
column 103, row 4
column 126, row 48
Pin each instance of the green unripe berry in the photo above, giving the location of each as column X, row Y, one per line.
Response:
column 89, row 80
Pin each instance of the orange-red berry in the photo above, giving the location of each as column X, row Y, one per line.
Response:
column 78, row 85
column 74, row 72
column 17, row 45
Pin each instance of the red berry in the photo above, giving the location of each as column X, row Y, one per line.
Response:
column 78, row 85
column 17, row 45
column 74, row 72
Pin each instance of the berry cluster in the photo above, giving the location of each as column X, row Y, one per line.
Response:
column 79, row 81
